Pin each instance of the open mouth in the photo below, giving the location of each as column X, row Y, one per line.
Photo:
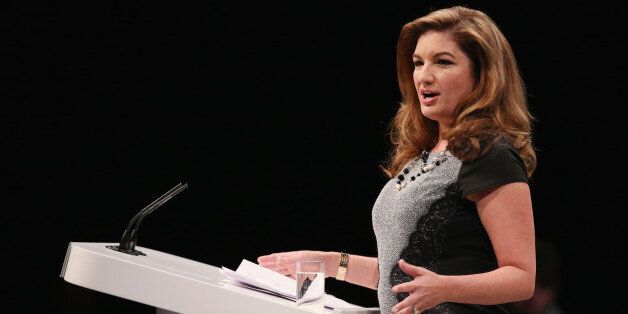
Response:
column 429, row 96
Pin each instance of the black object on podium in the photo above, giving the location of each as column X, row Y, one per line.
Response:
column 129, row 237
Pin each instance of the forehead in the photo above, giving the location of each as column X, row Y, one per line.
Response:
column 432, row 42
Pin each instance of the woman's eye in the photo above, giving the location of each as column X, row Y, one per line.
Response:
column 418, row 63
column 444, row 62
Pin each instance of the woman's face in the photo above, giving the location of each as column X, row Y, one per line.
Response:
column 443, row 76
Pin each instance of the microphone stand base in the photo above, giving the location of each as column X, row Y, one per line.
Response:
column 132, row 252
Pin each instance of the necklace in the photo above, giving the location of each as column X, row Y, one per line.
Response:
column 440, row 158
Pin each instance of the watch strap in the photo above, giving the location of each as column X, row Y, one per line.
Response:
column 342, row 267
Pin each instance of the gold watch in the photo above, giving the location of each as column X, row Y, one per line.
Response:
column 342, row 267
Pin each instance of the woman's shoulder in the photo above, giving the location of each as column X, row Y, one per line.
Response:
column 500, row 164
column 502, row 150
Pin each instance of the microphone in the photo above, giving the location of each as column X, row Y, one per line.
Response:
column 129, row 237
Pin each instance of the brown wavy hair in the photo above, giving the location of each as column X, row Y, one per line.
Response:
column 496, row 108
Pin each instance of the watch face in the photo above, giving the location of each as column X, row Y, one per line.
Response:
column 344, row 258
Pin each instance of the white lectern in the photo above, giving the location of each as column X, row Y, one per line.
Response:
column 168, row 282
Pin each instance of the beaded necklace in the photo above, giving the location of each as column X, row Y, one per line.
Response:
column 440, row 158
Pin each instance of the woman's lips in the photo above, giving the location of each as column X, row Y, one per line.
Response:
column 428, row 100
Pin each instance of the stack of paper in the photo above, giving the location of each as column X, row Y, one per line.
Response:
column 256, row 277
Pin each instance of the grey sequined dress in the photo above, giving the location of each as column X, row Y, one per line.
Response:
column 430, row 223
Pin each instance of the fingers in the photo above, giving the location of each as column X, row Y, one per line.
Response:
column 268, row 258
column 403, row 309
column 273, row 266
column 410, row 310
column 404, row 287
column 280, row 268
column 407, row 310
column 415, row 288
column 405, row 306
column 273, row 262
column 407, row 303
column 410, row 269
column 283, row 262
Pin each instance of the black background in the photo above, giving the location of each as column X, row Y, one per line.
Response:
column 276, row 115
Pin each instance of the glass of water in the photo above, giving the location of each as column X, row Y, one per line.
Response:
column 311, row 285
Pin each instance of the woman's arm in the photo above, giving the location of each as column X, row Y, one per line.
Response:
column 506, row 213
column 361, row 270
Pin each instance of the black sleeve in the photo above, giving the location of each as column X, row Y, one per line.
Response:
column 501, row 165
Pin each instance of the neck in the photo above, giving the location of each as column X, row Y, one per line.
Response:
column 442, row 129
column 442, row 142
column 440, row 145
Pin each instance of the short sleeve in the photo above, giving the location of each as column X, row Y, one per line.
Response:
column 501, row 165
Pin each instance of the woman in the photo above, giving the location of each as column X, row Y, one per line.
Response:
column 454, row 225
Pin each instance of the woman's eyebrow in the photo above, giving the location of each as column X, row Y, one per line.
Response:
column 436, row 55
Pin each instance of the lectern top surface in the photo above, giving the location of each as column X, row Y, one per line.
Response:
column 157, row 260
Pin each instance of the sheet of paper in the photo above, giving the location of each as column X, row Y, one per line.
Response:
column 255, row 277
column 317, row 285
column 238, row 277
column 279, row 283
column 240, row 286
column 335, row 303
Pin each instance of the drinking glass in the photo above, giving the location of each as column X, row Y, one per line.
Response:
column 311, row 285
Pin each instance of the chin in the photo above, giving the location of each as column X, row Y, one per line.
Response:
column 429, row 112
column 437, row 114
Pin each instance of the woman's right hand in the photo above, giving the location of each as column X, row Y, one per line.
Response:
column 285, row 262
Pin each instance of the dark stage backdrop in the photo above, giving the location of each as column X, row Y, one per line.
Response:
column 276, row 116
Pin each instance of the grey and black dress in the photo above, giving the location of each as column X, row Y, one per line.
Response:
column 430, row 223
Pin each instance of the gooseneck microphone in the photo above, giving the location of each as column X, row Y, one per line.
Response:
column 129, row 237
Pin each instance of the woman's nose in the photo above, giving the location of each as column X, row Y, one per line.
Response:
column 424, row 76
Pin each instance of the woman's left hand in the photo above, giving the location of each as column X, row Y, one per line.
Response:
column 427, row 290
